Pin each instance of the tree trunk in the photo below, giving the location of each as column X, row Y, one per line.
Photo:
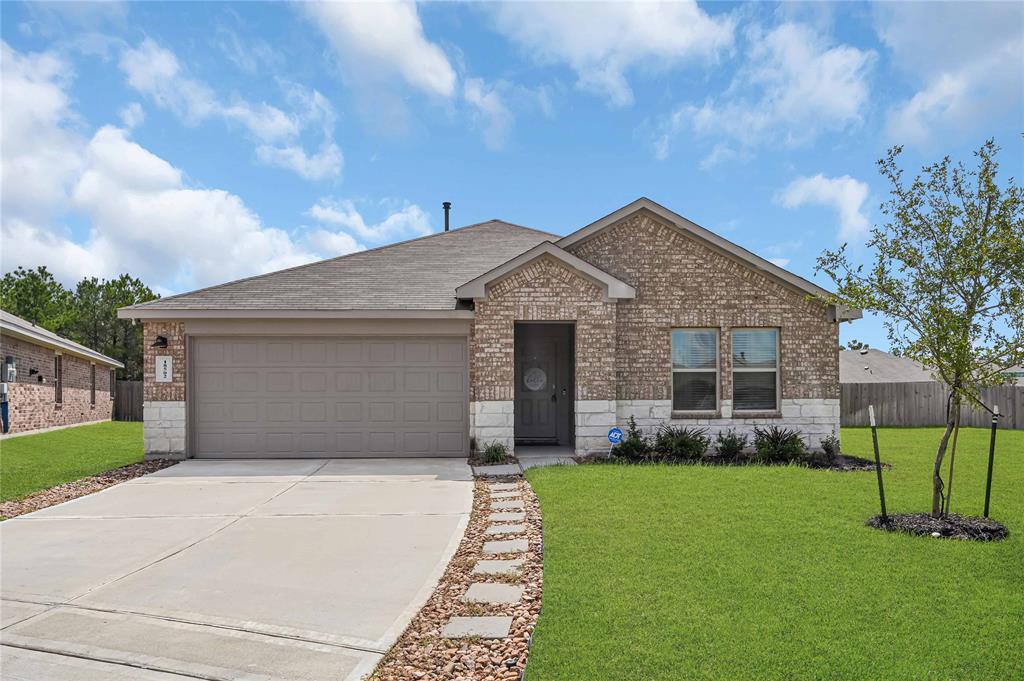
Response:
column 952, row 414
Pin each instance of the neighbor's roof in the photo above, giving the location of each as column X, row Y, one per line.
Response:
column 17, row 327
column 420, row 275
column 876, row 366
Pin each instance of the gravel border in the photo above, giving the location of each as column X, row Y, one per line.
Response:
column 952, row 526
column 79, row 488
column 421, row 653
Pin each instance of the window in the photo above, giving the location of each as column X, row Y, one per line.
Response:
column 92, row 384
column 694, row 369
column 58, row 379
column 113, row 382
column 755, row 369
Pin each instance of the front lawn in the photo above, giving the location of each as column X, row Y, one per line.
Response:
column 34, row 462
column 679, row 572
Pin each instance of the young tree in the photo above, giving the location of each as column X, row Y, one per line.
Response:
column 948, row 276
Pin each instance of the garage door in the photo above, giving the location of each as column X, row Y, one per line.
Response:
column 278, row 397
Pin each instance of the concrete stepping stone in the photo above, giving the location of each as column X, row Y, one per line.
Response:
column 507, row 517
column 505, row 529
column 499, row 470
column 506, row 495
column 487, row 592
column 483, row 627
column 497, row 567
column 501, row 505
column 507, row 546
column 502, row 486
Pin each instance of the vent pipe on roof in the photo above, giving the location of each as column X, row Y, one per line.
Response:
column 447, row 205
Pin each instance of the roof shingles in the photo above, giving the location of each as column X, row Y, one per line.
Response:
column 421, row 274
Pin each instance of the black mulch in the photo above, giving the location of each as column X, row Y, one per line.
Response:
column 840, row 462
column 950, row 527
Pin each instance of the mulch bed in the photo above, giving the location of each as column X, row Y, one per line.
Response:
column 952, row 526
column 421, row 653
column 79, row 488
column 841, row 462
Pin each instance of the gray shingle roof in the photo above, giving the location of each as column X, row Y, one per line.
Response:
column 876, row 366
column 10, row 325
column 421, row 274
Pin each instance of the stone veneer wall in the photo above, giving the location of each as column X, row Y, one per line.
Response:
column 163, row 404
column 31, row 403
column 543, row 290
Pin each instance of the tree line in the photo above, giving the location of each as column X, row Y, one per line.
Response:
column 86, row 314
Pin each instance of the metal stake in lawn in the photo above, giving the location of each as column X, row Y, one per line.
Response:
column 878, row 462
column 991, row 456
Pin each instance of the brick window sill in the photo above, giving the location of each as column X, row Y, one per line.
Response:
column 684, row 415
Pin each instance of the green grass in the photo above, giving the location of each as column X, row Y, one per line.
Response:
column 661, row 572
column 34, row 462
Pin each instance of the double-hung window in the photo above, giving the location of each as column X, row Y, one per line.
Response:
column 755, row 369
column 58, row 379
column 694, row 369
column 113, row 382
column 92, row 384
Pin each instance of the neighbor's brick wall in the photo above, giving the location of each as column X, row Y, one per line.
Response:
column 174, row 332
column 680, row 282
column 32, row 403
column 544, row 290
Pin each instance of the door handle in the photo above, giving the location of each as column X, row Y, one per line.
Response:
column 554, row 396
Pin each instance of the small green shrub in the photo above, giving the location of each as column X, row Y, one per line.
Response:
column 730, row 444
column 495, row 452
column 635, row 446
column 830, row 445
column 776, row 444
column 681, row 442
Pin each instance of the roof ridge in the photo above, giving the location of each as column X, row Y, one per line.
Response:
column 253, row 277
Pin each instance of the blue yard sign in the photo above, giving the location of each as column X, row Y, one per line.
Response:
column 615, row 436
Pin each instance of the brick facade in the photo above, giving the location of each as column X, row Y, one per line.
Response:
column 163, row 404
column 32, row 403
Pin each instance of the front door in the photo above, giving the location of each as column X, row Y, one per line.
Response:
column 544, row 394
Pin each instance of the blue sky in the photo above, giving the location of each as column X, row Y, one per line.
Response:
column 193, row 143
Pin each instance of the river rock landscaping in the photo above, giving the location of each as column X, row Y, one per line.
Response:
column 478, row 623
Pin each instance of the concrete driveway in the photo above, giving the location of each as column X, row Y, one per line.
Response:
column 253, row 570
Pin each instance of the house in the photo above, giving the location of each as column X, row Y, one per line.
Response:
column 492, row 333
column 51, row 381
column 875, row 366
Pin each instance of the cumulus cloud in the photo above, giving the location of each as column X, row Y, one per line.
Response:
column 380, row 40
column 959, row 88
column 602, row 42
column 793, row 87
column 406, row 222
column 845, row 195
column 155, row 71
column 491, row 113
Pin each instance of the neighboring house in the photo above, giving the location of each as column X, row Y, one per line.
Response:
column 50, row 380
column 875, row 366
column 497, row 333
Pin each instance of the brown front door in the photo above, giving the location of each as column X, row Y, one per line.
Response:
column 544, row 393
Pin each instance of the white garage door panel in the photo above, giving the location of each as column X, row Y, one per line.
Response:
column 312, row 397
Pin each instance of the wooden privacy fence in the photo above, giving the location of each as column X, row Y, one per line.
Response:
column 128, row 401
column 924, row 404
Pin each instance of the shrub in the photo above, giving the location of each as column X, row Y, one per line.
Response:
column 830, row 445
column 778, row 444
column 730, row 444
column 495, row 452
column 634, row 447
column 681, row 442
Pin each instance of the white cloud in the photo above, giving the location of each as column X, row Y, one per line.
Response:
column 408, row 221
column 779, row 262
column 964, row 57
column 794, row 87
column 156, row 71
column 845, row 195
column 132, row 115
column 601, row 42
column 333, row 244
column 379, row 40
column 491, row 111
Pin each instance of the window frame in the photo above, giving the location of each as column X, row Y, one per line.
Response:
column 755, row 370
column 58, row 378
column 718, row 372
column 92, row 384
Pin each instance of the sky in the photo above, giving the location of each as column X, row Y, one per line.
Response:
column 190, row 144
